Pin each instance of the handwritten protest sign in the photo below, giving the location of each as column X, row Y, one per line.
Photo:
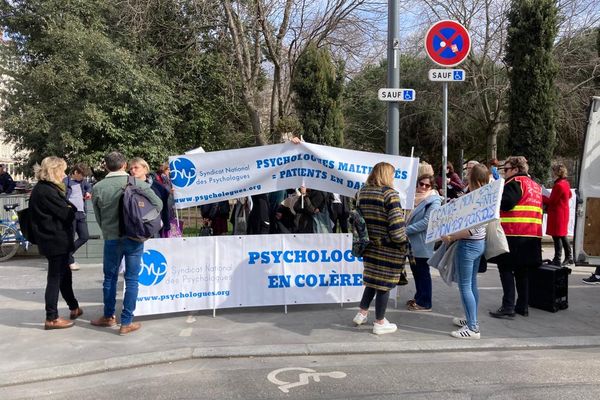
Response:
column 203, row 178
column 471, row 210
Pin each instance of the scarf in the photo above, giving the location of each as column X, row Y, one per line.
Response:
column 419, row 197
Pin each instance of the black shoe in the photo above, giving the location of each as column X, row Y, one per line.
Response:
column 555, row 262
column 524, row 313
column 502, row 313
column 568, row 261
column 592, row 280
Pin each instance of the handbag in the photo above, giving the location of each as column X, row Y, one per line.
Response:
column 26, row 225
column 495, row 240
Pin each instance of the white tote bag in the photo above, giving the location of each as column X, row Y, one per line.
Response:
column 495, row 240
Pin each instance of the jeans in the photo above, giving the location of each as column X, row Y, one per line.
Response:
column 422, row 278
column 59, row 279
column 559, row 243
column 114, row 251
column 380, row 302
column 81, row 228
column 466, row 263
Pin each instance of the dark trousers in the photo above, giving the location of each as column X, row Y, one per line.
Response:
column 514, row 277
column 81, row 229
column 59, row 279
column 422, row 278
column 559, row 243
column 380, row 302
column 338, row 216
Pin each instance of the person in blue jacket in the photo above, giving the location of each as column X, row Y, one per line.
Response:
column 426, row 200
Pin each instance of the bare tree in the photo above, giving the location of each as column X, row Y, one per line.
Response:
column 347, row 27
column 245, row 33
column 487, row 24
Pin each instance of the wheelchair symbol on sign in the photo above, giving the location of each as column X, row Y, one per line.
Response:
column 407, row 95
column 458, row 75
column 303, row 378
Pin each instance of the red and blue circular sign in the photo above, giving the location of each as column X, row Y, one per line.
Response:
column 447, row 43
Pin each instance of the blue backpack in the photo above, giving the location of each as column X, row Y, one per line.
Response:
column 360, row 235
column 139, row 219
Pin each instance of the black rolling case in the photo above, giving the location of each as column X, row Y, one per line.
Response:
column 549, row 288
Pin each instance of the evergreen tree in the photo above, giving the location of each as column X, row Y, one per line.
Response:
column 318, row 84
column 532, row 31
column 73, row 92
column 88, row 77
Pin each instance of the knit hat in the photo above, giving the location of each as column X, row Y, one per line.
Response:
column 425, row 169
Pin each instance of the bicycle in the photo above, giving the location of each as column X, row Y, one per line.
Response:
column 11, row 236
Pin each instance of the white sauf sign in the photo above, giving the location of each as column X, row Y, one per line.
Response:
column 473, row 209
column 390, row 94
column 447, row 75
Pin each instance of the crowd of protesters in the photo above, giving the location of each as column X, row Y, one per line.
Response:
column 58, row 206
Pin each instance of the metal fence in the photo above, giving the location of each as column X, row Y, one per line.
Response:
column 20, row 199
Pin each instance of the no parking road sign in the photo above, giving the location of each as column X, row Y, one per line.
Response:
column 447, row 43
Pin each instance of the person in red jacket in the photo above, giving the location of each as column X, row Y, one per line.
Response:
column 558, row 214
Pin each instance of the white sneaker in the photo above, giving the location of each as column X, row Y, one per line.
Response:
column 386, row 327
column 460, row 322
column 360, row 319
column 74, row 267
column 466, row 333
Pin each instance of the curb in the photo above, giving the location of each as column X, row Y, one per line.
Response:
column 316, row 349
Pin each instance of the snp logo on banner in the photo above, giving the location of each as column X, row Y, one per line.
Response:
column 183, row 172
column 154, row 268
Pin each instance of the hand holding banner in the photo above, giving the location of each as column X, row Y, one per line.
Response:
column 471, row 210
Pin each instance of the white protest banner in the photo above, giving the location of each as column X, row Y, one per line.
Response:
column 203, row 178
column 199, row 273
column 471, row 210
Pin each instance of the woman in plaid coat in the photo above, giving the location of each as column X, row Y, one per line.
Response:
column 384, row 257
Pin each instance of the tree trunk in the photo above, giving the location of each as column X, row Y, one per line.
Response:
column 492, row 142
column 275, row 113
column 259, row 137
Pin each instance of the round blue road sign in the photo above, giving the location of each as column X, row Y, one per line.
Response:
column 447, row 43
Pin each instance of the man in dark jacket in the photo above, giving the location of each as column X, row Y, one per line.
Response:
column 521, row 219
column 78, row 192
column 7, row 184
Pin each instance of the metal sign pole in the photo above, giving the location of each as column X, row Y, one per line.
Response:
column 447, row 43
column 392, row 142
column 445, row 143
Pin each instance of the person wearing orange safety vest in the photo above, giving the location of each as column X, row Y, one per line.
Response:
column 521, row 219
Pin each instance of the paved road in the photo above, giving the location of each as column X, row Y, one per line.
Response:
column 31, row 354
column 544, row 375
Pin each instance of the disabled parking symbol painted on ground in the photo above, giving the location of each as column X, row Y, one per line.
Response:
column 304, row 377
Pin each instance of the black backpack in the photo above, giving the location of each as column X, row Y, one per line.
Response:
column 139, row 218
column 360, row 235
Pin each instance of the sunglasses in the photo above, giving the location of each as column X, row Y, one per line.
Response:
column 425, row 185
